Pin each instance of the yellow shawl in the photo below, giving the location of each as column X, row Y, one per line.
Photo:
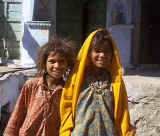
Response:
column 72, row 89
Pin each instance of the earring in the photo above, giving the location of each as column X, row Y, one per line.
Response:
column 44, row 72
column 66, row 74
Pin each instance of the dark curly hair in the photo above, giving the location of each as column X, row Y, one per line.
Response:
column 99, row 38
column 65, row 47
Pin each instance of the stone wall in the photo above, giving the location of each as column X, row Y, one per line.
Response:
column 144, row 101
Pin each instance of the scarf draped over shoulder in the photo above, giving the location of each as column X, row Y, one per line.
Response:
column 72, row 89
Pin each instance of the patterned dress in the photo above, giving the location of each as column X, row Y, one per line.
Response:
column 94, row 110
column 36, row 112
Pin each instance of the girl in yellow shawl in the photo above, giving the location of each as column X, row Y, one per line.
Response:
column 94, row 101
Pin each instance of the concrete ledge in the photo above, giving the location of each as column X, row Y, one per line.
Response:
column 12, row 68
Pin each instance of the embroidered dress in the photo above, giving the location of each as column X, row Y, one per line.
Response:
column 72, row 90
column 33, row 115
column 94, row 111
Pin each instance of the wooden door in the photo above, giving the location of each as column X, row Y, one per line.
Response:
column 69, row 19
column 96, row 15
column 77, row 18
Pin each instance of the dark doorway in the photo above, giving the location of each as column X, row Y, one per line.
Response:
column 150, row 29
column 93, row 16
column 77, row 19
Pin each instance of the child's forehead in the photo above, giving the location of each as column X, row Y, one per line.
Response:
column 103, row 45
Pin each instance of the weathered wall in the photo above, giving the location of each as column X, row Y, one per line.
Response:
column 122, row 34
column 10, row 86
column 35, row 35
column 119, row 22
column 10, row 25
column 144, row 101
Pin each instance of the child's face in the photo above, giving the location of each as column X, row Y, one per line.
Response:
column 101, row 56
column 56, row 65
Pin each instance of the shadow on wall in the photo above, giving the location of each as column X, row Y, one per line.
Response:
column 29, row 43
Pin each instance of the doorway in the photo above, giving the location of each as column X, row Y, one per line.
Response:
column 93, row 16
column 150, row 29
column 77, row 19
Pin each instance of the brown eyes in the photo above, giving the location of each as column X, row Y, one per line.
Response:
column 102, row 50
column 59, row 61
column 98, row 50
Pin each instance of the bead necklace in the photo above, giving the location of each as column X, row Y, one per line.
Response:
column 98, row 81
column 99, row 86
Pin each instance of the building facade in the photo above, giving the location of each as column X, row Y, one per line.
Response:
column 26, row 25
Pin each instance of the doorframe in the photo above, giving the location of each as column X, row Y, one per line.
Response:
column 133, row 17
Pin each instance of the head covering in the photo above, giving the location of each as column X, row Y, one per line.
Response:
column 72, row 89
